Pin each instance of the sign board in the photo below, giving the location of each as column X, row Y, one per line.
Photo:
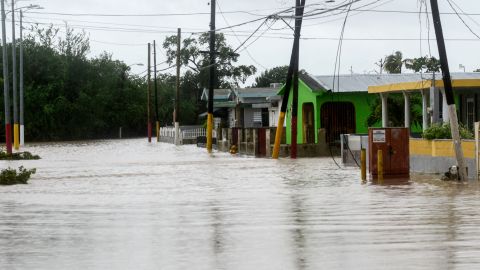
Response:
column 378, row 136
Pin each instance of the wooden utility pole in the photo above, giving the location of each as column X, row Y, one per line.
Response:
column 447, row 83
column 149, row 123
column 177, row 92
column 294, row 123
column 212, row 77
column 291, row 70
column 157, row 122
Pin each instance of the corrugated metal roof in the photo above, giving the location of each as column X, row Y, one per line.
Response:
column 361, row 82
column 218, row 94
column 224, row 104
column 256, row 92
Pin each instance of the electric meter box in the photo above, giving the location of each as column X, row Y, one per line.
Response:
column 394, row 143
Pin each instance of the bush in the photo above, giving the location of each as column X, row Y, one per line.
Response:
column 442, row 131
column 18, row 156
column 11, row 177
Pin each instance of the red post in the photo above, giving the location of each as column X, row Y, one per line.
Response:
column 8, row 138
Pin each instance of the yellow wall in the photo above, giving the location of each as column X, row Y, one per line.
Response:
column 440, row 148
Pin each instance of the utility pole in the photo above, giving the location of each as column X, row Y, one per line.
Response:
column 212, row 76
column 177, row 92
column 6, row 94
column 447, row 82
column 149, row 124
column 22, row 122
column 16, row 141
column 291, row 70
column 157, row 123
column 380, row 64
column 298, row 24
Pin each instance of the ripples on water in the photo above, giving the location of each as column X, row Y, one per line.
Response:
column 126, row 204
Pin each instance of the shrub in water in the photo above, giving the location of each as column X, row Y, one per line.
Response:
column 18, row 156
column 10, row 176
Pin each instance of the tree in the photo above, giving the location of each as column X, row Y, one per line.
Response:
column 423, row 64
column 68, row 96
column 393, row 63
column 193, row 55
column 477, row 70
column 274, row 75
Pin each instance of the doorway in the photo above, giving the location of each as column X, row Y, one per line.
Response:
column 308, row 123
column 337, row 118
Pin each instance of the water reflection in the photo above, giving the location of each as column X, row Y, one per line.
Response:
column 132, row 205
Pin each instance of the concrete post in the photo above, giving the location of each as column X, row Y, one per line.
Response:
column 424, row 109
column 383, row 97
column 434, row 105
column 229, row 137
column 445, row 114
column 255, row 141
column 407, row 109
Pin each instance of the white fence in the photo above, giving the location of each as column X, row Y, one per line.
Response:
column 192, row 133
column 167, row 134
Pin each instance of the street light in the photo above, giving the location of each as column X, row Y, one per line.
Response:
column 8, row 139
column 22, row 126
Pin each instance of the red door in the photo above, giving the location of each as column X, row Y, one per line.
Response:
column 262, row 142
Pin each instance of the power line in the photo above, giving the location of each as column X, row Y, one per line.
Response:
column 277, row 36
column 461, row 19
column 236, row 36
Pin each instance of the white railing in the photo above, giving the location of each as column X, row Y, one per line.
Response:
column 192, row 133
column 167, row 132
column 188, row 133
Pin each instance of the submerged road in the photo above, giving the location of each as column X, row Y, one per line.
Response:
column 125, row 204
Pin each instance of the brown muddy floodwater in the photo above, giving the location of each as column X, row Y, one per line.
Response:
column 125, row 204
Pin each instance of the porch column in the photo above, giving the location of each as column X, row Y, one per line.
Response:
column 424, row 109
column 383, row 97
column 407, row 109
column 446, row 118
column 434, row 105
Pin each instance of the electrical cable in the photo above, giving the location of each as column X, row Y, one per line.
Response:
column 461, row 19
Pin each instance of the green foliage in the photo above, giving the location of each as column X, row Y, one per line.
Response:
column 274, row 75
column 394, row 63
column 70, row 97
column 396, row 110
column 18, row 156
column 442, row 131
column 12, row 177
column 423, row 64
column 193, row 56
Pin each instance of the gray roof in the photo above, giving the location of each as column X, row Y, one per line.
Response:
column 361, row 82
column 256, row 92
column 218, row 94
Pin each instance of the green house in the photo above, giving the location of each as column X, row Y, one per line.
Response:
column 339, row 104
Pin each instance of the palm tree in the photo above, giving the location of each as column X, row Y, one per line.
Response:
column 394, row 63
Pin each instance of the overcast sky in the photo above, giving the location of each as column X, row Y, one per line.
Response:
column 126, row 36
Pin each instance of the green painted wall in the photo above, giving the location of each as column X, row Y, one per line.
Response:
column 360, row 100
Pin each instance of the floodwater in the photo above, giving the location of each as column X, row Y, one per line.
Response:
column 125, row 204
